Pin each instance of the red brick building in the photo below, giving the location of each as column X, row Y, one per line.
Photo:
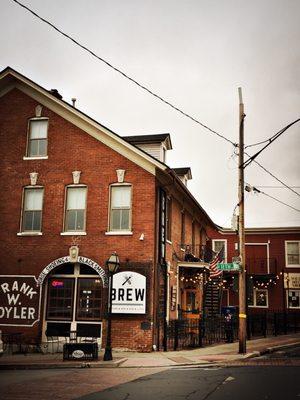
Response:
column 70, row 184
column 272, row 268
column 73, row 193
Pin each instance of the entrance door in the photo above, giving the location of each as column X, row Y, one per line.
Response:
column 73, row 302
column 191, row 303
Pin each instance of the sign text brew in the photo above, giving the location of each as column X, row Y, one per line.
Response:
column 129, row 293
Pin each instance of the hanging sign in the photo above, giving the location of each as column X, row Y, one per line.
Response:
column 19, row 300
column 129, row 293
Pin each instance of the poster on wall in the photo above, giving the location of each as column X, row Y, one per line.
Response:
column 129, row 293
column 292, row 280
column 19, row 300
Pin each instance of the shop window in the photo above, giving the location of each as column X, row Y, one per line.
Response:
column 75, row 209
column 89, row 299
column 37, row 138
column 32, row 210
column 258, row 298
column 217, row 245
column 60, row 298
column 120, row 208
column 294, row 299
column 292, row 252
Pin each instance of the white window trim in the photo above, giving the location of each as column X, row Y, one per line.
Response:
column 286, row 257
column 225, row 247
column 74, row 233
column 35, row 158
column 33, row 233
column 125, row 231
column 287, row 299
column 30, row 233
column 27, row 157
column 77, row 233
column 120, row 233
column 254, row 299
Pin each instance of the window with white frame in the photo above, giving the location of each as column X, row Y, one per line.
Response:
column 217, row 245
column 120, row 208
column 37, row 138
column 258, row 298
column 293, row 298
column 75, row 209
column 32, row 209
column 292, row 253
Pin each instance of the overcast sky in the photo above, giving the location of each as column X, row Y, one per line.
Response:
column 193, row 53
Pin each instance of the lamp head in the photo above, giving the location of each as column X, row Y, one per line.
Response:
column 113, row 263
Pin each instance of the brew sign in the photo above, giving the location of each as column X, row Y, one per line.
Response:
column 19, row 300
column 129, row 293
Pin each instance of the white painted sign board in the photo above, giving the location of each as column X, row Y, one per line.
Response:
column 129, row 293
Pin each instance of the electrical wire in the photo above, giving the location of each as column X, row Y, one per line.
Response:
column 270, row 141
column 274, row 198
column 125, row 75
column 255, row 190
column 275, row 177
column 277, row 187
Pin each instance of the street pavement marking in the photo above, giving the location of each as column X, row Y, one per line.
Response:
column 228, row 379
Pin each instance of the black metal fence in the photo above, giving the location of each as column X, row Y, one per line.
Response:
column 190, row 333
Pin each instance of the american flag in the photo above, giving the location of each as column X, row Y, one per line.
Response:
column 214, row 271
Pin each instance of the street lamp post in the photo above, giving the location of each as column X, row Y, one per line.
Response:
column 112, row 264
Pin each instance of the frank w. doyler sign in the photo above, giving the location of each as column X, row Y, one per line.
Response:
column 129, row 293
column 19, row 300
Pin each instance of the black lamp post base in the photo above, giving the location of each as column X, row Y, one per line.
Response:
column 107, row 354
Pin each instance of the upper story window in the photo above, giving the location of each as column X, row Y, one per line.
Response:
column 37, row 137
column 182, row 234
column 169, row 218
column 217, row 245
column 292, row 253
column 120, row 208
column 32, row 209
column 75, row 214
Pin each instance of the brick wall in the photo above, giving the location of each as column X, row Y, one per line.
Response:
column 69, row 149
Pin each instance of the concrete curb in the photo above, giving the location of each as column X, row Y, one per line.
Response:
column 118, row 363
column 63, row 365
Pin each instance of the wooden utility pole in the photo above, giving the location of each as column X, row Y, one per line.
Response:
column 242, row 274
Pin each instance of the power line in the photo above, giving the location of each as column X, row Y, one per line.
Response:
column 251, row 188
column 274, row 198
column 273, row 176
column 145, row 88
column 271, row 140
column 277, row 187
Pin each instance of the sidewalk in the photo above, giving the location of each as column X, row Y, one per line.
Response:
column 210, row 355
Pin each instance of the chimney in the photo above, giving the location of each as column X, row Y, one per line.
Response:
column 73, row 101
column 56, row 93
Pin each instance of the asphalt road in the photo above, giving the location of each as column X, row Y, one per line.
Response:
column 241, row 383
column 270, row 377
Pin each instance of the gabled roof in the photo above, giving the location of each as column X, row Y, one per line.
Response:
column 183, row 171
column 157, row 138
column 10, row 79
